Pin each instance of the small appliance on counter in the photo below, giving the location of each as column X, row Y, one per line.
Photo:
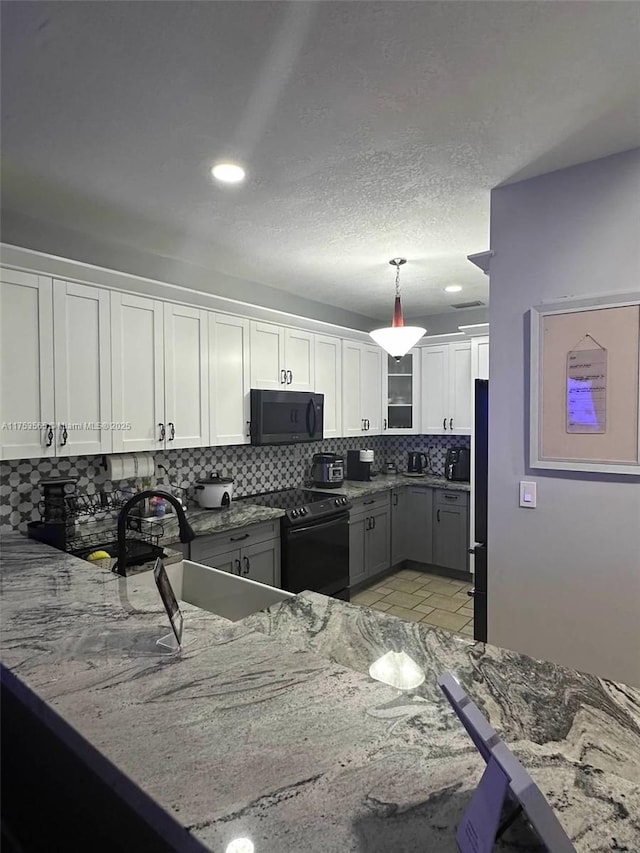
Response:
column 359, row 464
column 456, row 466
column 214, row 491
column 418, row 463
column 327, row 470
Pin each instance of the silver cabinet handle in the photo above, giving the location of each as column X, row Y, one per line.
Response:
column 237, row 564
column 163, row 432
column 384, row 423
column 450, row 423
column 172, row 428
column 283, row 377
column 247, row 566
column 63, row 435
column 248, row 433
column 444, row 423
column 238, row 538
column 290, row 377
column 438, row 516
column 395, row 499
column 373, row 522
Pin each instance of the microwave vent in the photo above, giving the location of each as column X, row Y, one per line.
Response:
column 476, row 304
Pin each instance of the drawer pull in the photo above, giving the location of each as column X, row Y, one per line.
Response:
column 238, row 538
column 451, row 497
column 367, row 503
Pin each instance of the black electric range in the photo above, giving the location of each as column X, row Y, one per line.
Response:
column 314, row 538
column 302, row 505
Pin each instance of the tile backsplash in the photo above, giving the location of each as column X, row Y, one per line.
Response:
column 254, row 469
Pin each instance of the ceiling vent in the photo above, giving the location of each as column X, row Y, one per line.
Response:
column 476, row 304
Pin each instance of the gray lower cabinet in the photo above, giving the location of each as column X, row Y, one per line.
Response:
column 451, row 530
column 252, row 552
column 398, row 526
column 369, row 538
column 419, row 524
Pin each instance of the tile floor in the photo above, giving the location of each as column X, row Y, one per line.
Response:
column 422, row 597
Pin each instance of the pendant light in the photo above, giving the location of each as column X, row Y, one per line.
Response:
column 397, row 339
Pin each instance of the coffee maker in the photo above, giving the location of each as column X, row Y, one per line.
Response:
column 359, row 464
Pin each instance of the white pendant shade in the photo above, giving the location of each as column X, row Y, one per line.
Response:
column 398, row 670
column 397, row 340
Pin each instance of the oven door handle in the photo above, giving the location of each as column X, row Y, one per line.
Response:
column 322, row 524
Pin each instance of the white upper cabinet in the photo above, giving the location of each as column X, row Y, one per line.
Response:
column 281, row 358
column 229, row 379
column 401, row 393
column 186, row 376
column 480, row 357
column 299, row 360
column 137, row 372
column 82, row 374
column 328, row 373
column 446, row 389
column 361, row 389
column 28, row 426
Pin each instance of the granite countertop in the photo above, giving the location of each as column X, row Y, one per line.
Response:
column 384, row 482
column 204, row 521
column 270, row 728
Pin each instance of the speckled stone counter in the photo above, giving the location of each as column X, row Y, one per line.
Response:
column 384, row 482
column 246, row 734
column 204, row 521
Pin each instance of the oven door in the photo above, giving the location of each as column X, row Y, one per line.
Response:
column 316, row 557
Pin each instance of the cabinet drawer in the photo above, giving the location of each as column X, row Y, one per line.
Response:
column 445, row 497
column 366, row 505
column 219, row 543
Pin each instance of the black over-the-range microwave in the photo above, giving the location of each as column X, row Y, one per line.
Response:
column 286, row 417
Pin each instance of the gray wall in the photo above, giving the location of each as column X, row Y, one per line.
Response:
column 564, row 578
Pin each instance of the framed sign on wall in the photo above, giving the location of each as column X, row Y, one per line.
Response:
column 585, row 386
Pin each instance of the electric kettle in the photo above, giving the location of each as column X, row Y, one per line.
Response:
column 418, row 462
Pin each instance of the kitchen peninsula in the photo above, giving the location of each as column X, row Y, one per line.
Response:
column 271, row 729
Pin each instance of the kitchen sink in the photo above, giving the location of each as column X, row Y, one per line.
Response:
column 222, row 593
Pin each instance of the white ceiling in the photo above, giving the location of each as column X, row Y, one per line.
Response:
column 369, row 129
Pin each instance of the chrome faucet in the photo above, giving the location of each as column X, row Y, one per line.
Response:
column 186, row 531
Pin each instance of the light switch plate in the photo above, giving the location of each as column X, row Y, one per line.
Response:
column 527, row 494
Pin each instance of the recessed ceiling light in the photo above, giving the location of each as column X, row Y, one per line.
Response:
column 228, row 173
column 453, row 288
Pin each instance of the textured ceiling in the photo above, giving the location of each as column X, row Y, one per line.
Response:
column 369, row 129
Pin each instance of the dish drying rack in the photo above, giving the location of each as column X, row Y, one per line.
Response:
column 81, row 524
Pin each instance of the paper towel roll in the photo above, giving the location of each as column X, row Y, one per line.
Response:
column 130, row 466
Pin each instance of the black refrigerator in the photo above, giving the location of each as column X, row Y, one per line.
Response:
column 479, row 549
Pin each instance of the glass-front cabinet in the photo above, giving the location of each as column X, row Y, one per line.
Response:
column 401, row 394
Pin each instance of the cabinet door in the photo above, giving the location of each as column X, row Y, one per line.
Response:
column 352, row 419
column 435, row 389
column 371, row 389
column 26, row 366
column 82, row 344
column 357, row 533
column 328, row 372
column 186, row 376
column 261, row 562
column 419, row 524
column 229, row 561
column 229, row 379
column 378, row 543
column 299, row 360
column 398, row 526
column 267, row 356
column 137, row 372
column 460, row 388
column 451, row 538
column 401, row 394
column 480, row 358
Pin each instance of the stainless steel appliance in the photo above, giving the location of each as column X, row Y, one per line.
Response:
column 418, row 462
column 456, row 466
column 479, row 550
column 314, row 538
column 359, row 464
column 327, row 470
column 214, row 492
column 285, row 417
